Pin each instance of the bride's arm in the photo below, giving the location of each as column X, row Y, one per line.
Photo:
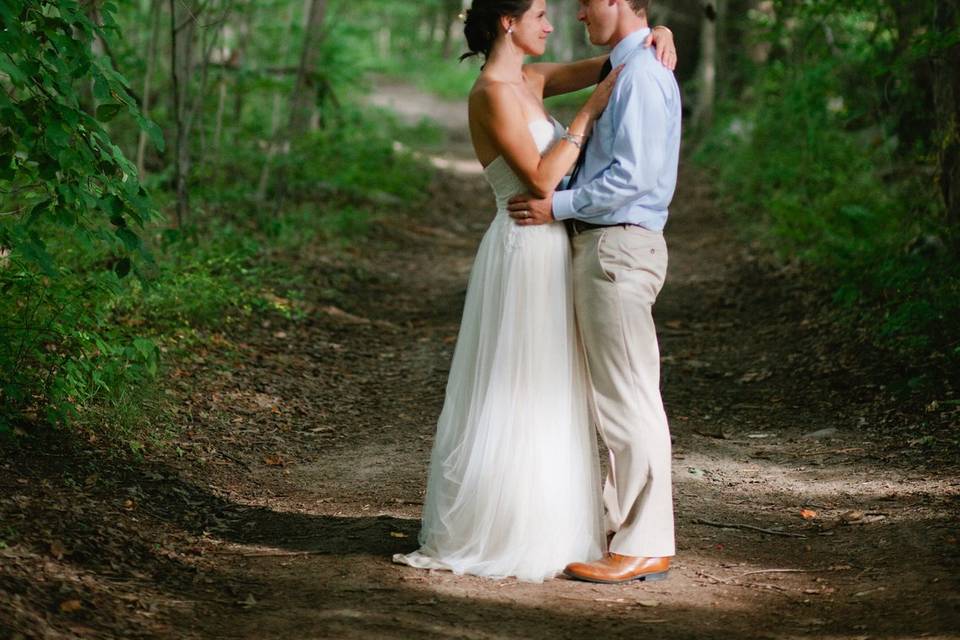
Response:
column 567, row 77
column 561, row 78
column 498, row 113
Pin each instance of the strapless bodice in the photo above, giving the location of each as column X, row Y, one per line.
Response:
column 501, row 177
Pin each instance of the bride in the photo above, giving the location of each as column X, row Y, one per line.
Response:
column 514, row 479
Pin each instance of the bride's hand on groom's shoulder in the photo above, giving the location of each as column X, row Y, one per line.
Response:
column 527, row 210
column 598, row 101
column 662, row 37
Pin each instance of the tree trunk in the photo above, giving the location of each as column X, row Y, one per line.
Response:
column 707, row 75
column 147, row 81
column 218, row 122
column 450, row 10
column 211, row 37
column 87, row 100
column 182, row 24
column 946, row 94
column 436, row 26
column 275, row 139
column 240, row 93
column 304, row 92
column 304, row 98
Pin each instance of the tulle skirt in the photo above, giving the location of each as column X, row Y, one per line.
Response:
column 514, row 480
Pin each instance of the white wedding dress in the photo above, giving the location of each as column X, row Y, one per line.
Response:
column 514, row 481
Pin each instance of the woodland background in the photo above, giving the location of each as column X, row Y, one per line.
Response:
column 154, row 155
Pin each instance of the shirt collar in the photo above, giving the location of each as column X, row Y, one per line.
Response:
column 626, row 46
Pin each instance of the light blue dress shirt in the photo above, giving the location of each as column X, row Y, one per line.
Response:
column 630, row 169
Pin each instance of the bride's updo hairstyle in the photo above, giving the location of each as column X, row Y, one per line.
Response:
column 482, row 22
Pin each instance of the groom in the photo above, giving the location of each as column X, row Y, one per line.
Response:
column 616, row 208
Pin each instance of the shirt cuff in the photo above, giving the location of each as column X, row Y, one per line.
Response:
column 563, row 205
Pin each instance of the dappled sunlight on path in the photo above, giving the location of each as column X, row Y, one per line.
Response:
column 792, row 521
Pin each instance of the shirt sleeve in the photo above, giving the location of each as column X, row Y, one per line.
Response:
column 639, row 152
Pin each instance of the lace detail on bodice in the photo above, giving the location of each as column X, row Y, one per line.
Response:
column 506, row 184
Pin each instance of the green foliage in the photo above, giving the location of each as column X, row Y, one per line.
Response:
column 357, row 156
column 818, row 164
column 96, row 287
column 71, row 213
column 445, row 77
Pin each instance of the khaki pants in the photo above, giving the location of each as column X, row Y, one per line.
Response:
column 618, row 272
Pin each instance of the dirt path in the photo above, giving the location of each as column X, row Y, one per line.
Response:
column 745, row 387
column 800, row 511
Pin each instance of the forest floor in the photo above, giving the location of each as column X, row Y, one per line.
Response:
column 816, row 494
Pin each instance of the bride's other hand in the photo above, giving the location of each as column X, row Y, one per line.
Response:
column 601, row 95
column 662, row 37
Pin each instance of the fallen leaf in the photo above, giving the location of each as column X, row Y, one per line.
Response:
column 57, row 550
column 808, row 514
column 851, row 516
column 755, row 376
column 70, row 606
column 274, row 461
column 397, row 534
column 250, row 601
column 648, row 603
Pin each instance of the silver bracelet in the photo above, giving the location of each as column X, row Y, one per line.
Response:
column 572, row 139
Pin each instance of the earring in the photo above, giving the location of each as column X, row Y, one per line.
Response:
column 510, row 31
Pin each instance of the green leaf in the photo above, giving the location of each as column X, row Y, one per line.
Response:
column 8, row 169
column 113, row 206
column 153, row 132
column 7, row 144
column 122, row 268
column 36, row 253
column 109, row 111
column 101, row 89
column 12, row 70
column 129, row 238
column 149, row 352
column 38, row 210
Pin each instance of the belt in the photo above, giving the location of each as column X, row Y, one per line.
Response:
column 575, row 226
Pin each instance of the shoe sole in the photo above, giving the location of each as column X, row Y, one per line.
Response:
column 647, row 577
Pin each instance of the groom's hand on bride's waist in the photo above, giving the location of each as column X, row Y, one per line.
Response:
column 527, row 210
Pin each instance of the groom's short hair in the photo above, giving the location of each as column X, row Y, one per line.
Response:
column 640, row 6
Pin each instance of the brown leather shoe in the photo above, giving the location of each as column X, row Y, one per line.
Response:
column 615, row 569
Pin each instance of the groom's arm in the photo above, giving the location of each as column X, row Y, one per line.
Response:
column 639, row 109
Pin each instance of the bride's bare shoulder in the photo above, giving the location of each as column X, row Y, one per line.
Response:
column 491, row 96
